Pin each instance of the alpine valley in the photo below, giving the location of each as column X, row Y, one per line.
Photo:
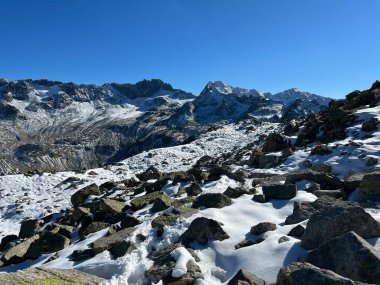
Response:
column 147, row 184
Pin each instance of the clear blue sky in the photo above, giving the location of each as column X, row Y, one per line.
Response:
column 329, row 47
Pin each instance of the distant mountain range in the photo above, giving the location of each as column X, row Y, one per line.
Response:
column 50, row 125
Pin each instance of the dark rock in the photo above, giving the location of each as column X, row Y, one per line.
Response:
column 29, row 228
column 297, row 231
column 261, row 228
column 326, row 180
column 372, row 161
column 80, row 255
column 6, row 240
column 275, row 142
column 370, row 125
column 321, row 167
column 320, row 150
column 106, row 243
column 248, row 242
column 193, row 190
column 47, row 242
column 111, row 206
column 348, row 255
column 150, row 173
column 330, row 193
column 243, row 277
column 17, row 253
column 280, row 191
column 203, row 230
column 235, row 192
column 93, row 227
column 313, row 187
column 259, row 198
column 337, row 220
column 161, row 203
column 283, row 239
column 77, row 214
column 212, row 200
column 79, row 197
column 122, row 248
column 306, row 274
column 129, row 221
column 64, row 230
column 141, row 202
column 369, row 187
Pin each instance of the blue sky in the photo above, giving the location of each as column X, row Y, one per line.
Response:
column 329, row 47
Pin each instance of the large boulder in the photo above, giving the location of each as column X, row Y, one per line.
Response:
column 17, row 253
column 161, row 203
column 46, row 276
column 275, row 142
column 47, row 242
column 370, row 187
column 79, row 197
column 92, row 227
column 212, row 200
column 348, row 255
column 111, row 206
column 299, row 273
column 29, row 228
column 203, row 230
column 243, row 277
column 280, row 191
column 332, row 222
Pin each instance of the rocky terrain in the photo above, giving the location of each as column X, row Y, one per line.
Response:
column 266, row 191
column 55, row 126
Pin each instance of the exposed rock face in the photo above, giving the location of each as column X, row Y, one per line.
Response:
column 306, row 274
column 212, row 200
column 348, row 255
column 79, row 197
column 37, row 275
column 280, row 191
column 369, row 187
column 243, row 277
column 275, row 142
column 203, row 230
column 333, row 222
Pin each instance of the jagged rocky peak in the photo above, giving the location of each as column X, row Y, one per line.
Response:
column 221, row 88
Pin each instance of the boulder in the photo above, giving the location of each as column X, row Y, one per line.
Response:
column 259, row 198
column 243, row 277
column 5, row 241
column 321, row 167
column 369, row 187
column 326, row 180
column 297, row 231
column 320, row 150
column 129, row 221
column 17, row 253
column 193, row 190
column 161, row 203
column 150, row 173
column 80, row 255
column 261, row 228
column 78, row 213
column 29, row 228
column 47, row 242
column 79, row 197
column 235, row 192
column 111, row 206
column 248, row 242
column 280, row 191
column 283, row 239
column 300, row 273
column 331, row 193
column 275, row 142
column 203, row 230
column 93, row 227
column 348, row 255
column 107, row 242
column 141, row 202
column 370, row 125
column 334, row 221
column 212, row 200
column 64, row 230
column 122, row 248
column 46, row 276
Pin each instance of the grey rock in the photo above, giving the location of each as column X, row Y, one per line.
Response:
column 243, row 277
column 93, row 227
column 299, row 273
column 235, row 192
column 337, row 220
column 369, row 187
column 107, row 242
column 29, row 228
column 129, row 221
column 203, row 230
column 17, row 253
column 212, row 200
column 261, row 228
column 348, row 255
column 331, row 193
column 193, row 190
column 280, row 191
column 47, row 242
column 79, row 197
column 161, row 203
column 141, row 202
column 321, row 167
column 122, row 248
column 111, row 206
column 370, row 125
column 297, row 231
column 283, row 239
